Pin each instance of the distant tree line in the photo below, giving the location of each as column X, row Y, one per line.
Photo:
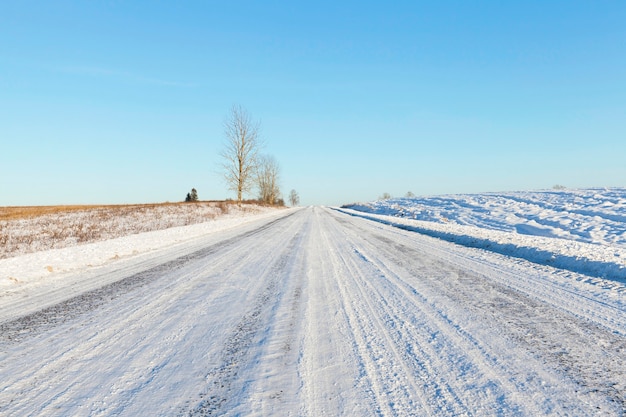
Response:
column 387, row 196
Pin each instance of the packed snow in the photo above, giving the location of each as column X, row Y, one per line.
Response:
column 577, row 230
column 314, row 312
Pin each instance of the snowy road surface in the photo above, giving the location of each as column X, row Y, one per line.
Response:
column 320, row 313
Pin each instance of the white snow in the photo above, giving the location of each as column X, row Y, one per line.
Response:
column 315, row 312
column 578, row 230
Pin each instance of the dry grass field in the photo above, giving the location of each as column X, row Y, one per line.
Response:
column 30, row 229
column 26, row 212
column 17, row 213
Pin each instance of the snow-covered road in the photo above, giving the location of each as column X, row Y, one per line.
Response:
column 319, row 313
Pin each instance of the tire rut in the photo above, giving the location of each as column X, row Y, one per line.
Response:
column 223, row 381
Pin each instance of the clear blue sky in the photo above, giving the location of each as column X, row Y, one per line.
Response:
column 124, row 101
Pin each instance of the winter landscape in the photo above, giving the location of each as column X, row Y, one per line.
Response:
column 478, row 304
column 189, row 223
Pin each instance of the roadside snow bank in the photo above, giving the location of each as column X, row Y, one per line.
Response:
column 593, row 215
column 60, row 228
column 602, row 261
column 19, row 271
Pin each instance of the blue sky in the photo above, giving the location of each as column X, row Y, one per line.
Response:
column 124, row 101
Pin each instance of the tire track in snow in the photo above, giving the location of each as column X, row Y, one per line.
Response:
column 558, row 337
column 224, row 383
column 395, row 384
column 459, row 375
column 536, row 327
column 329, row 367
column 414, row 339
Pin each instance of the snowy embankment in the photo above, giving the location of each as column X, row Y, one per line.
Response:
column 33, row 229
column 583, row 231
column 117, row 235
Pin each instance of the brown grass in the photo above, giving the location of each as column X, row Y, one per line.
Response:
column 27, row 212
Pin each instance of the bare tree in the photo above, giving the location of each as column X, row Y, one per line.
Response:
column 267, row 176
column 294, row 198
column 240, row 151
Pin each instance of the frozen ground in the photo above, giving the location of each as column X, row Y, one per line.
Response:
column 310, row 312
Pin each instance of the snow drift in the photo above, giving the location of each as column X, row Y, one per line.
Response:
column 582, row 231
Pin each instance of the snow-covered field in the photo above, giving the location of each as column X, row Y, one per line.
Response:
column 314, row 312
column 34, row 229
column 578, row 230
